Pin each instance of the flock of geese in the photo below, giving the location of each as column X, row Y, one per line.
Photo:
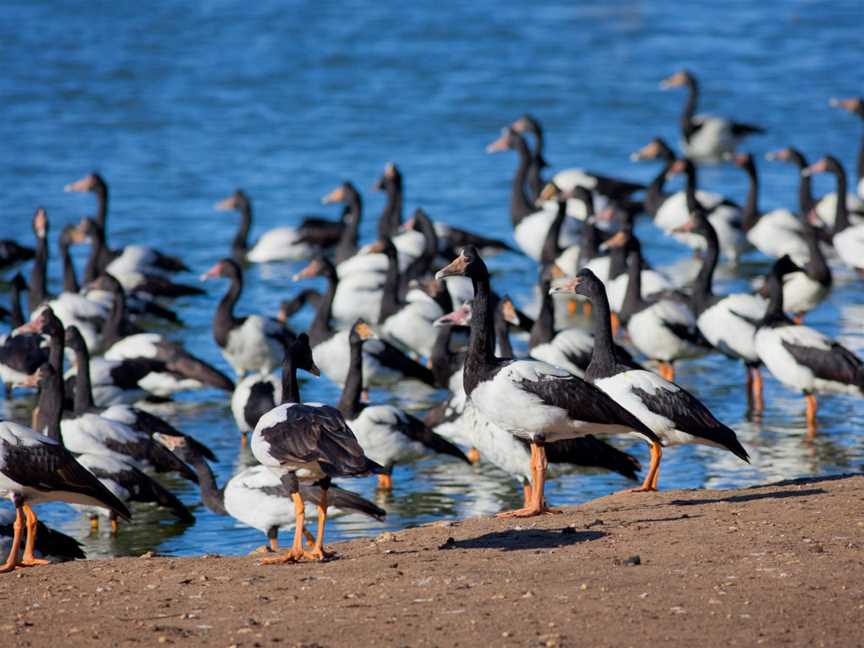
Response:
column 417, row 310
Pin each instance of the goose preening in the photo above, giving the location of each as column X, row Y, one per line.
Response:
column 387, row 434
column 706, row 137
column 530, row 223
column 530, row 399
column 613, row 188
column 309, row 442
column 50, row 544
column 728, row 322
column 12, row 253
column 35, row 468
column 258, row 497
column 253, row 397
column 384, row 364
column 802, row 358
column 668, row 410
column 249, row 343
column 281, row 243
column 773, row 233
column 131, row 258
column 848, row 239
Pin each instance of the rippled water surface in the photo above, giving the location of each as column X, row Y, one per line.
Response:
column 177, row 105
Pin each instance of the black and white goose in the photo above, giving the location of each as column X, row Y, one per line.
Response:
column 384, row 364
column 257, row 497
column 36, row 468
column 131, row 258
column 706, row 137
column 387, row 434
column 530, row 399
column 728, row 322
column 116, row 472
column 848, row 239
column 662, row 326
column 280, row 243
column 249, row 343
column 672, row 413
column 306, row 442
column 530, row 223
column 802, row 358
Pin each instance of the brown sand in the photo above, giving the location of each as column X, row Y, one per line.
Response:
column 776, row 565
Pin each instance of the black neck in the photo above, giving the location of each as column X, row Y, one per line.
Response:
column 112, row 330
column 817, row 267
column 83, row 388
column 535, row 171
column 50, row 407
column 617, row 261
column 551, row 248
column 290, row 386
column 774, row 313
column 481, row 350
column 391, row 217
column 70, row 281
column 37, row 288
column 320, row 328
column 654, row 193
column 841, row 211
column 212, row 496
column 702, row 291
column 440, row 356
column 224, row 320
column 544, row 326
column 17, row 313
column 502, row 335
column 633, row 301
column 751, row 207
column 56, row 347
column 101, row 191
column 349, row 401
column 95, row 259
column 603, row 362
column 687, row 126
column 520, row 206
column 241, row 239
column 422, row 265
column 805, row 189
column 347, row 245
column 389, row 291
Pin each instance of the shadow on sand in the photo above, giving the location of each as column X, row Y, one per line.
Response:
column 527, row 539
column 752, row 497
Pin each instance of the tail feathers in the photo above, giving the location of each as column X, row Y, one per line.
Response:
column 416, row 430
column 171, row 263
column 152, row 491
column 592, row 452
column 188, row 366
column 343, row 499
column 740, row 129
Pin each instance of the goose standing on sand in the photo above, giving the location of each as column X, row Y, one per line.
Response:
column 35, row 468
column 249, row 343
column 705, row 137
column 728, row 322
column 257, row 497
column 568, row 179
column 309, row 442
column 530, row 223
column 387, row 434
column 802, row 358
column 773, row 233
column 848, row 239
column 530, row 399
column 384, row 364
column 123, row 479
column 672, row 413
column 131, row 258
column 280, row 243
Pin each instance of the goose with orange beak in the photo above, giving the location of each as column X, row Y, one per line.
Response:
column 531, row 400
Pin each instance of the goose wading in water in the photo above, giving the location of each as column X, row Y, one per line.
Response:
column 257, row 497
column 802, row 358
column 387, row 434
column 307, row 442
column 251, row 342
column 706, row 137
column 671, row 412
column 530, row 399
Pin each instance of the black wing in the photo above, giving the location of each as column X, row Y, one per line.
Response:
column 143, row 488
column 24, row 353
column 740, row 129
column 51, row 467
column 689, row 334
column 150, row 424
column 416, row 430
column 392, row 358
column 614, row 187
column 691, row 416
column 179, row 361
column 342, row 499
column 591, row 452
column 837, row 363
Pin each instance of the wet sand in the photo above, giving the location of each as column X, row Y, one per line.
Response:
column 781, row 564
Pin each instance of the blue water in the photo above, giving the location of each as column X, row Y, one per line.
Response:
column 178, row 105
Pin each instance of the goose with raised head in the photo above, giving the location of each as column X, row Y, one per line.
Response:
column 728, row 322
column 306, row 442
column 706, row 137
column 258, row 497
column 802, row 358
column 773, row 233
column 848, row 239
column 384, row 364
column 672, row 413
column 131, row 258
column 530, row 399
column 530, row 223
column 387, row 434
column 251, row 342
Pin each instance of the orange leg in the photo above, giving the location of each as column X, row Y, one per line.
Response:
column 473, row 456
column 615, row 321
column 798, row 318
column 587, row 308
column 650, row 483
column 243, row 440
column 667, row 371
column 274, row 544
column 295, row 553
column 318, row 552
column 812, row 406
column 526, row 495
column 115, row 526
column 17, row 527
column 572, row 307
column 28, row 559
column 385, row 482
column 749, row 389
column 758, row 403
column 537, row 504
column 94, row 524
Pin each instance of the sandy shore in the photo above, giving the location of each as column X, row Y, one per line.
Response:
column 781, row 564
